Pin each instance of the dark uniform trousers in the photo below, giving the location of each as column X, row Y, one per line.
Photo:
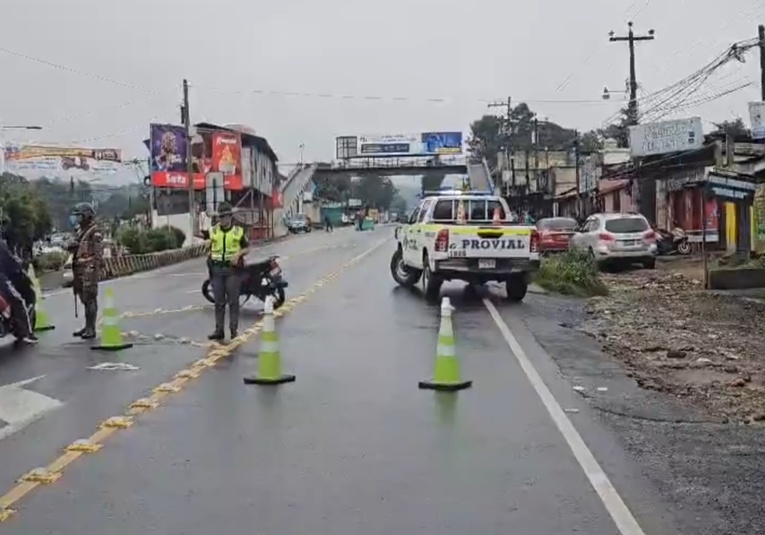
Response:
column 226, row 282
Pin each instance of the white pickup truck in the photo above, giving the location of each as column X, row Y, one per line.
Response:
column 464, row 236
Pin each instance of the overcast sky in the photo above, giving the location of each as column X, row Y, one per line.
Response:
column 463, row 52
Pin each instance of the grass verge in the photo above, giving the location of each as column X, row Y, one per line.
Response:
column 571, row 273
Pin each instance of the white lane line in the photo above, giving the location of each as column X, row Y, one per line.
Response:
column 613, row 502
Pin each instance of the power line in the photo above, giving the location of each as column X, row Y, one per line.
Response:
column 74, row 71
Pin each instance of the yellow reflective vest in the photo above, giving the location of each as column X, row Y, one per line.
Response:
column 224, row 244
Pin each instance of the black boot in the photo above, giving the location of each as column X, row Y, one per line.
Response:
column 234, row 332
column 79, row 333
column 91, row 312
column 217, row 335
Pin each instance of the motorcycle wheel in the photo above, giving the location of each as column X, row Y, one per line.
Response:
column 684, row 248
column 207, row 291
column 279, row 298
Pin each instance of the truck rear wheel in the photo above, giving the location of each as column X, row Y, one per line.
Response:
column 516, row 287
column 431, row 283
column 404, row 275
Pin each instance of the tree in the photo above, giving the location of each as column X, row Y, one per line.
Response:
column 618, row 130
column 736, row 129
column 25, row 216
column 374, row 191
column 487, row 138
column 590, row 142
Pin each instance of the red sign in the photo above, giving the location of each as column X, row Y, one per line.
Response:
column 227, row 158
column 165, row 179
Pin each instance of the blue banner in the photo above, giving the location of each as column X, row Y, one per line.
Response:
column 442, row 142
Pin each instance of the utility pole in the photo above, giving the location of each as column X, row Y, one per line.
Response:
column 578, row 175
column 507, row 131
column 761, row 32
column 536, row 153
column 631, row 38
column 186, row 116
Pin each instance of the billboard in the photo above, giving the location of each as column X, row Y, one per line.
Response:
column 227, row 158
column 422, row 144
column 757, row 119
column 64, row 163
column 220, row 151
column 666, row 136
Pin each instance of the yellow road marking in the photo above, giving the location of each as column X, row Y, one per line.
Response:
column 49, row 474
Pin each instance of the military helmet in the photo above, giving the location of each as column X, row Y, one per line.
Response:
column 84, row 209
column 225, row 208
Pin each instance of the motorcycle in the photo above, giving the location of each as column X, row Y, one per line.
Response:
column 259, row 279
column 8, row 325
column 676, row 241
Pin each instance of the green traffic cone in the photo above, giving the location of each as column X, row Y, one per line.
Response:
column 446, row 375
column 111, row 335
column 42, row 321
column 270, row 358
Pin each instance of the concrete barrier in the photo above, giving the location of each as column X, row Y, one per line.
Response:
column 121, row 266
column 736, row 278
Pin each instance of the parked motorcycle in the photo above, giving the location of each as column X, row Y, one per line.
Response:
column 259, row 279
column 672, row 242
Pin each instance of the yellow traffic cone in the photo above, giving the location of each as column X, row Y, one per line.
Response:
column 42, row 321
column 446, row 376
column 270, row 359
column 111, row 335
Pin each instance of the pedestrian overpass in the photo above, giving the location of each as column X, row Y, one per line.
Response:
column 435, row 167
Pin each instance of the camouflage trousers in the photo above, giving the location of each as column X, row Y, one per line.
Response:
column 88, row 294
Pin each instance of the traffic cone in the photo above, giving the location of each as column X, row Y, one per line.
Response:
column 42, row 321
column 111, row 335
column 497, row 218
column 270, row 359
column 446, row 376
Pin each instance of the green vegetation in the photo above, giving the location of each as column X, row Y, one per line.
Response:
column 53, row 261
column 138, row 241
column 25, row 215
column 571, row 273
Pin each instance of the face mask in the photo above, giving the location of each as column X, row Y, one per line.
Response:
column 74, row 220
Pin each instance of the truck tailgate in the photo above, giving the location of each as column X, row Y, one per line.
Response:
column 489, row 242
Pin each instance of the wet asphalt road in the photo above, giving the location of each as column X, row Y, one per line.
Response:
column 352, row 447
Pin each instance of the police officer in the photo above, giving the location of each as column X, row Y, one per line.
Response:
column 228, row 246
column 87, row 262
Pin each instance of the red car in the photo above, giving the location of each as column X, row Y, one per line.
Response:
column 555, row 234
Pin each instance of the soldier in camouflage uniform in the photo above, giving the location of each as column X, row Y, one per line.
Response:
column 87, row 261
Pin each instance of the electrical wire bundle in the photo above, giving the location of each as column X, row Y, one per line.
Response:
column 677, row 96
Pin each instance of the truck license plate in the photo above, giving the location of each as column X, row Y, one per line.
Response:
column 484, row 263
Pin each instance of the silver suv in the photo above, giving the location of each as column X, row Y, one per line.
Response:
column 618, row 239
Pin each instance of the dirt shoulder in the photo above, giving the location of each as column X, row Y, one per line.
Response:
column 674, row 337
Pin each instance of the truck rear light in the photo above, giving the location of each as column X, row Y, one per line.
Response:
column 442, row 241
column 534, row 241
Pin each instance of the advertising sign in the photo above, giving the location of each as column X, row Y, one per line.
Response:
column 757, row 119
column 422, row 144
column 167, row 145
column 441, row 142
column 64, row 163
column 227, row 158
column 666, row 136
column 730, row 189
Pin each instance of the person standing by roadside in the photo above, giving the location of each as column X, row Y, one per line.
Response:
column 328, row 224
column 228, row 247
column 87, row 262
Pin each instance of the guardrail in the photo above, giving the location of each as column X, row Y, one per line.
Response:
column 121, row 266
